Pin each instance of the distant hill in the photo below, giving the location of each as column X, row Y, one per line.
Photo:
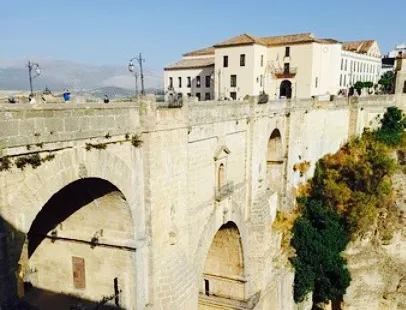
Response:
column 58, row 75
column 114, row 92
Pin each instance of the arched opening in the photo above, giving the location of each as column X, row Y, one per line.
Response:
column 223, row 280
column 274, row 161
column 285, row 90
column 80, row 248
column 221, row 178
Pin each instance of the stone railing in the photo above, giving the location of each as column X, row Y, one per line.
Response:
column 26, row 124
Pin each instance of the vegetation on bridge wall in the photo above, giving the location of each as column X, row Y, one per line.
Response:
column 350, row 196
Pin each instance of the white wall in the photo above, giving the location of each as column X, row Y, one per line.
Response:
column 245, row 75
column 364, row 68
column 192, row 73
column 300, row 58
column 326, row 69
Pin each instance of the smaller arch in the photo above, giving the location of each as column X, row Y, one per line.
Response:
column 221, row 177
column 274, row 161
column 285, row 89
column 274, row 153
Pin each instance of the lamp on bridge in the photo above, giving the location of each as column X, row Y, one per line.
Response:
column 131, row 68
column 33, row 66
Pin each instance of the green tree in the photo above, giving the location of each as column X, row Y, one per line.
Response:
column 319, row 238
column 392, row 127
column 387, row 81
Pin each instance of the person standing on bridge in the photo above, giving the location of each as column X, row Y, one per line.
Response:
column 66, row 95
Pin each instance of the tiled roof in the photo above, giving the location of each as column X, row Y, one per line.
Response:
column 361, row 47
column 242, row 39
column 288, row 39
column 245, row 39
column 201, row 52
column 192, row 63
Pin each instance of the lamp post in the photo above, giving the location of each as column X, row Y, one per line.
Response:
column 131, row 68
column 33, row 66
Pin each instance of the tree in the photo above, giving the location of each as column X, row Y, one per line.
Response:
column 319, row 238
column 387, row 81
column 392, row 127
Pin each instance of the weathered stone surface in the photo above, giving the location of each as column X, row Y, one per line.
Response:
column 176, row 200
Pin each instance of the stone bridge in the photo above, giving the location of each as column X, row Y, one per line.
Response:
column 145, row 206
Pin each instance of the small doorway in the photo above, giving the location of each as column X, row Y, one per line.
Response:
column 285, row 89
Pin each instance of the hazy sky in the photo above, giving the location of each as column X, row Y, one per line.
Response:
column 112, row 31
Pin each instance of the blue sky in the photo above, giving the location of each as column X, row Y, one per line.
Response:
column 111, row 32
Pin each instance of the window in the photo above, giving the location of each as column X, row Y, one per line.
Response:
column 346, row 65
column 198, row 81
column 345, row 80
column 233, row 95
column 351, row 65
column 189, row 95
column 261, row 82
column 342, row 64
column 198, row 96
column 207, row 96
column 170, row 82
column 242, row 60
column 189, row 82
column 404, row 87
column 180, row 82
column 221, row 177
column 316, row 82
column 286, row 67
column 262, row 60
column 287, row 51
column 79, row 273
column 206, row 287
column 233, row 80
column 225, row 61
column 207, row 81
column 341, row 80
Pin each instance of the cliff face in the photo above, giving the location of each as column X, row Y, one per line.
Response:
column 378, row 271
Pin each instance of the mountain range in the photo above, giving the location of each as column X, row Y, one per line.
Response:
column 57, row 75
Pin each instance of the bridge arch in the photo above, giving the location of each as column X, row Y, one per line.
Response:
column 98, row 182
column 222, row 240
column 274, row 161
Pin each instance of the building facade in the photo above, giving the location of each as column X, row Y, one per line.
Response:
column 289, row 66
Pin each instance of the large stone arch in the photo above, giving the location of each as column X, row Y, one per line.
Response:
column 39, row 184
column 25, row 199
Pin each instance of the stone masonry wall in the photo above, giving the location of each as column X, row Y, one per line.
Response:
column 171, row 181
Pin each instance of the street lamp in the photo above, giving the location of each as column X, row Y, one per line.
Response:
column 131, row 68
column 33, row 66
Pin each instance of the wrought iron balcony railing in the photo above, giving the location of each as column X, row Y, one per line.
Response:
column 285, row 74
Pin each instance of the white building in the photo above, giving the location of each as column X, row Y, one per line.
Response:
column 399, row 49
column 292, row 66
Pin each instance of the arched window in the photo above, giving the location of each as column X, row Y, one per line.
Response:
column 275, row 147
column 274, row 161
column 221, row 178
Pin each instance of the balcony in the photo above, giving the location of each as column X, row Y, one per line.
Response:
column 285, row 74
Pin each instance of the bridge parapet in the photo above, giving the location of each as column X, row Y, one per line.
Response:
column 22, row 125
